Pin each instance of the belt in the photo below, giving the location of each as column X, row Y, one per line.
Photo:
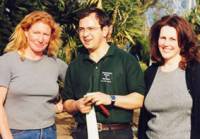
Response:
column 107, row 127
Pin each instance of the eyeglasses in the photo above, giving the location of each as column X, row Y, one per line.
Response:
column 81, row 30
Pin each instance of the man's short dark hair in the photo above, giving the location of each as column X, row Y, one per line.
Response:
column 104, row 19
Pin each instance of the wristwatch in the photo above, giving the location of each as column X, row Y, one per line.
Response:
column 113, row 99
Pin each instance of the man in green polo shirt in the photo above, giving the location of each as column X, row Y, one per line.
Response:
column 112, row 76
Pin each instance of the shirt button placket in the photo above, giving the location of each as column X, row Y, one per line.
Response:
column 96, row 77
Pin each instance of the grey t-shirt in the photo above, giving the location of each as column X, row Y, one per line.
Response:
column 30, row 85
column 170, row 102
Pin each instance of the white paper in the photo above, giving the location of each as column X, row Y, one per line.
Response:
column 92, row 124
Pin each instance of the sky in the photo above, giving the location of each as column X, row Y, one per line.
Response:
column 164, row 7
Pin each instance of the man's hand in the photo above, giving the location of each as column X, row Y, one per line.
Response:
column 83, row 105
column 98, row 98
column 59, row 107
column 130, row 101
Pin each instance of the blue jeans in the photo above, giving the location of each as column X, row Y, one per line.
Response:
column 44, row 133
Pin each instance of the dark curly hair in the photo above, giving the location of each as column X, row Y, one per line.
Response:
column 186, row 39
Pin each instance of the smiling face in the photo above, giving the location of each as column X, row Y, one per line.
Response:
column 38, row 37
column 90, row 32
column 168, row 43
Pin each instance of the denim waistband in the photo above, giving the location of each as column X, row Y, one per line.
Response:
column 52, row 126
column 16, row 131
column 32, row 132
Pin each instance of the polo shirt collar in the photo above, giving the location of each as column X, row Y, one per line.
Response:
column 111, row 51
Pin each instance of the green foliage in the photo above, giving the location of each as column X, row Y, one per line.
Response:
column 12, row 11
column 127, row 20
column 127, row 15
column 198, row 2
column 5, row 26
column 194, row 19
column 143, row 65
column 128, row 23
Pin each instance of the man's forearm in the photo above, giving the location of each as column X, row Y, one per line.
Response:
column 130, row 101
column 70, row 106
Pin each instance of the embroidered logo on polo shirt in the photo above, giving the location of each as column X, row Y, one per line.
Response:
column 106, row 77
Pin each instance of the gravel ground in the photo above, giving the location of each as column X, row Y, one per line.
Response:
column 64, row 124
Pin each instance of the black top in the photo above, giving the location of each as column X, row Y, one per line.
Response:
column 193, row 85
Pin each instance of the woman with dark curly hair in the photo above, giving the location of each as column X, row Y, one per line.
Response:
column 172, row 102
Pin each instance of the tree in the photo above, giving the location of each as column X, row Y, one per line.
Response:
column 12, row 11
column 194, row 18
column 127, row 15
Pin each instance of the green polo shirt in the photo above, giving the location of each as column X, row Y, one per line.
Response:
column 117, row 73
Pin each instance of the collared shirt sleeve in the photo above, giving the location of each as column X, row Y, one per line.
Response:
column 135, row 76
column 67, row 92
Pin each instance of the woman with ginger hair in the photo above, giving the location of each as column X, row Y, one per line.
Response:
column 28, row 79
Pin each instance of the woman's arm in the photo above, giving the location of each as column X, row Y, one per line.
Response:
column 4, row 128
